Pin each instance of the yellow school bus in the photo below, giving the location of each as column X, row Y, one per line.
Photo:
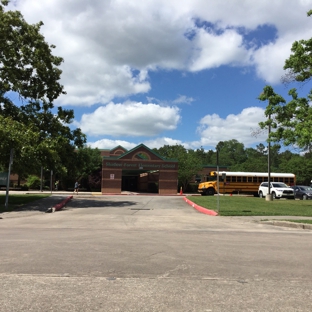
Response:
column 241, row 182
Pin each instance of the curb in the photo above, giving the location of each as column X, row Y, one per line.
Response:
column 59, row 206
column 200, row 208
column 294, row 225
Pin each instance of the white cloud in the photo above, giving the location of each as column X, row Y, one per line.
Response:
column 130, row 119
column 110, row 144
column 214, row 129
column 214, row 51
column 183, row 99
column 110, row 46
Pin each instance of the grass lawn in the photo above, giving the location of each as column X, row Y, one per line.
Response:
column 254, row 206
column 16, row 201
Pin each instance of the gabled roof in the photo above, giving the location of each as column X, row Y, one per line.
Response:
column 140, row 146
column 118, row 147
column 144, row 147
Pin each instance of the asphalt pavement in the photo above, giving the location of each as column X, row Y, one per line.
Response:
column 148, row 253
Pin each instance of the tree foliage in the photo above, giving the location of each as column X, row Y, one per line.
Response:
column 40, row 136
column 27, row 65
column 189, row 162
column 291, row 122
column 246, row 159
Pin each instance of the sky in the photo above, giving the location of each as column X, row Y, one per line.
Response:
column 162, row 72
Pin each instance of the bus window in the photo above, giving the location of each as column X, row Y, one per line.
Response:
column 260, row 180
column 245, row 179
column 228, row 179
column 239, row 179
column 265, row 179
column 286, row 181
column 249, row 179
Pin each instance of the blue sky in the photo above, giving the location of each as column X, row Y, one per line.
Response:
column 170, row 72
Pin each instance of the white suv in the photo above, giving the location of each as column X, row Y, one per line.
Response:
column 278, row 190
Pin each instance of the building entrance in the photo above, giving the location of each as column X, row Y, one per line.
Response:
column 138, row 170
column 140, row 181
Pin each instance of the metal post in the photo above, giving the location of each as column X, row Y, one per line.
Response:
column 41, row 179
column 269, row 195
column 218, row 197
column 8, row 179
column 51, row 181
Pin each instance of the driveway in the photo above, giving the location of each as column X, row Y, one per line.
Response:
column 150, row 253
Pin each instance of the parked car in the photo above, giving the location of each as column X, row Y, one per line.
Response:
column 302, row 191
column 277, row 189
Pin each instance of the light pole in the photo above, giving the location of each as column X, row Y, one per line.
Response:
column 268, row 196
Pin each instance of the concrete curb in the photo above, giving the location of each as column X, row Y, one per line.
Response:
column 294, row 225
column 59, row 206
column 200, row 208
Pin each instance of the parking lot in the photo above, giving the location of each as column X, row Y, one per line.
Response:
column 149, row 253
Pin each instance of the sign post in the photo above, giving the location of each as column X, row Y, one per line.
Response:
column 8, row 179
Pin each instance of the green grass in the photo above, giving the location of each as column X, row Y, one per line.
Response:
column 254, row 206
column 16, row 201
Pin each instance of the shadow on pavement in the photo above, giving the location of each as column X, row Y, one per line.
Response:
column 102, row 203
column 41, row 204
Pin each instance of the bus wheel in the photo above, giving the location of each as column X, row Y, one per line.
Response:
column 210, row 191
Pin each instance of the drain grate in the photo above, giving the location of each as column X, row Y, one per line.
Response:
column 140, row 209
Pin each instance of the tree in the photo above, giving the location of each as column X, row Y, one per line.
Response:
column 291, row 122
column 28, row 68
column 299, row 64
column 27, row 65
column 88, row 160
column 231, row 153
column 189, row 162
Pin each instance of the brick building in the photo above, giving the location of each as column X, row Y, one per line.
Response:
column 138, row 170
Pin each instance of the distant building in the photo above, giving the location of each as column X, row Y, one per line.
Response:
column 138, row 170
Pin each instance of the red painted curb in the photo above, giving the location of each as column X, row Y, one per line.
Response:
column 200, row 208
column 62, row 203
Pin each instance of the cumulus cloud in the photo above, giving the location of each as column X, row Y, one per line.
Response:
column 213, row 50
column 109, row 47
column 130, row 119
column 110, row 144
column 214, row 129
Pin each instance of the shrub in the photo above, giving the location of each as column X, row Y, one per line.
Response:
column 33, row 182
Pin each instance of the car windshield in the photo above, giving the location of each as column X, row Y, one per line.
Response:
column 305, row 188
column 277, row 185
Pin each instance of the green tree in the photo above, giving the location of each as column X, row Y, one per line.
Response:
column 28, row 68
column 88, row 160
column 231, row 153
column 189, row 162
column 257, row 161
column 291, row 122
column 299, row 64
column 27, row 65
